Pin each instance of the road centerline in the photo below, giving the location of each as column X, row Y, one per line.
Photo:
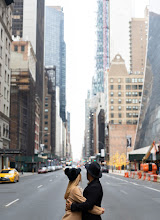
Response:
column 12, row 203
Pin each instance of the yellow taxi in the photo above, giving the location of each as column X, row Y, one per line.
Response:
column 9, row 175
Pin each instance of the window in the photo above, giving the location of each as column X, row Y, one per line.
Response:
column 134, row 93
column 46, row 98
column 112, row 108
column 119, row 107
column 8, row 63
column 140, row 93
column 111, row 87
column 1, row 52
column 128, row 100
column 46, row 122
column 128, row 115
column 6, row 59
column 140, row 80
column 119, row 101
column 4, row 109
column 129, row 122
column 120, row 122
column 134, row 122
column 119, row 80
column 128, row 87
column 15, row 48
column 6, row 43
column 128, row 80
column 140, row 86
column 46, row 104
column 5, row 76
column 46, row 116
column 112, row 101
column 46, row 128
column 128, row 108
column 1, row 35
column 134, row 86
column 111, row 80
column 120, row 115
column 5, row 92
column 45, row 140
column 0, row 69
column 22, row 48
column 7, row 95
column 112, row 115
column 112, row 121
column 119, row 94
column 119, row 87
column 112, row 94
column 135, row 101
column 46, row 110
column 8, row 79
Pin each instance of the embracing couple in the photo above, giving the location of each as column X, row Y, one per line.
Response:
column 88, row 205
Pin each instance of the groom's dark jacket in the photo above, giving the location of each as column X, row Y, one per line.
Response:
column 93, row 193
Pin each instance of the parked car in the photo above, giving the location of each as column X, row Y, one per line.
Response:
column 49, row 168
column 42, row 170
column 53, row 168
column 9, row 175
column 104, row 169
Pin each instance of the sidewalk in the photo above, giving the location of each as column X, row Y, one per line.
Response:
column 117, row 172
column 26, row 174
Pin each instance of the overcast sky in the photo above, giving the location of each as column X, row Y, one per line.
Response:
column 80, row 38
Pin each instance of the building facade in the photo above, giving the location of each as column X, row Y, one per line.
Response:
column 49, row 121
column 22, row 124
column 124, row 93
column 55, row 51
column 138, row 44
column 5, row 75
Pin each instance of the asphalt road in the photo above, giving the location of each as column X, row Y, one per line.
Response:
column 40, row 197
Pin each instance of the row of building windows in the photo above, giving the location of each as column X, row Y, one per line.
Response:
column 5, row 94
column 129, row 122
column 134, row 101
column 128, row 115
column 133, row 93
column 16, row 48
column 128, row 87
column 128, row 80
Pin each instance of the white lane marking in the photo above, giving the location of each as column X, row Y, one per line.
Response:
column 124, row 192
column 11, row 202
column 152, row 189
column 50, row 180
column 39, row 186
column 108, row 183
column 134, row 184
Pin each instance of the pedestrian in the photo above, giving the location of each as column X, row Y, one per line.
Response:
column 93, row 193
column 22, row 169
column 74, row 194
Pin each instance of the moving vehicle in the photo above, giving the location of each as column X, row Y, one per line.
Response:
column 9, row 175
column 42, row 170
column 104, row 169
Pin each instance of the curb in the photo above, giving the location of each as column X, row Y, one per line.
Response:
column 142, row 176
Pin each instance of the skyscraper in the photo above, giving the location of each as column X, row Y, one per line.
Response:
column 55, row 50
column 103, row 48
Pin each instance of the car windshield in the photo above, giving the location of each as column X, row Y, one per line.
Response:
column 7, row 171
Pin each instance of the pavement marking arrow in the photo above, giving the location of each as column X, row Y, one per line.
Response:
column 39, row 186
column 12, row 202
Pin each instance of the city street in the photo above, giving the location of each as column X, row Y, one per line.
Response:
column 40, row 197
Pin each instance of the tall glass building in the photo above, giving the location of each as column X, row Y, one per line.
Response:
column 55, row 50
column 102, row 52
